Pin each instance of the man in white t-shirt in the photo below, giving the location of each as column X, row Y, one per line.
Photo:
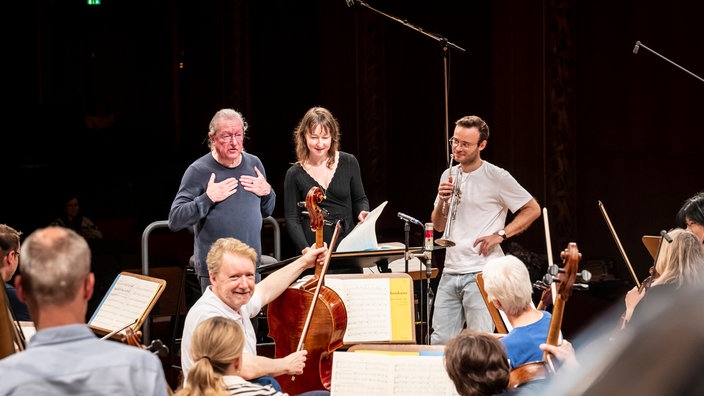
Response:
column 483, row 196
column 232, row 267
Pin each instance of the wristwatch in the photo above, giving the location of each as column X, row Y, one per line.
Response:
column 502, row 234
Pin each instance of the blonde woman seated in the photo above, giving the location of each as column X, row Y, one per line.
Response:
column 216, row 350
column 680, row 264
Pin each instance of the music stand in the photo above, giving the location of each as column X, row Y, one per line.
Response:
column 340, row 260
column 651, row 242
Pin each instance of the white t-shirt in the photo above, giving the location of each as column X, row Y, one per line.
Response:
column 209, row 305
column 487, row 194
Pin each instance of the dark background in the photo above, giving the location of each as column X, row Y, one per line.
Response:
column 575, row 116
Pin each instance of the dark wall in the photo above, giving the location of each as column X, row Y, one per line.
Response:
column 640, row 141
column 575, row 116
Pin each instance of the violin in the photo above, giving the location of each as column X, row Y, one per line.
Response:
column 319, row 331
column 134, row 338
column 543, row 369
column 647, row 282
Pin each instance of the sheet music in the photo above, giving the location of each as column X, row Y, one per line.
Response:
column 127, row 300
column 379, row 374
column 368, row 308
column 363, row 236
column 357, row 374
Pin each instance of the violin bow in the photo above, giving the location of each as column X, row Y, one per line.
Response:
column 618, row 243
column 553, row 288
column 112, row 333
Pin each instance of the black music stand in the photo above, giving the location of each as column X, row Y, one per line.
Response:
column 357, row 261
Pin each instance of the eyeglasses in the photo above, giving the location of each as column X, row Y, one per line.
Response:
column 454, row 142
column 230, row 137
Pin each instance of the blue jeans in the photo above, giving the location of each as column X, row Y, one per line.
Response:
column 458, row 301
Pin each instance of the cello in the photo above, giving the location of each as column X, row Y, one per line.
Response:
column 543, row 369
column 11, row 336
column 309, row 315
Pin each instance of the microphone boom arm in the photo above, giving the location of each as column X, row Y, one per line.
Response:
column 639, row 44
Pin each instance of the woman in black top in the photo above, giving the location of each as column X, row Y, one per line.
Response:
column 321, row 164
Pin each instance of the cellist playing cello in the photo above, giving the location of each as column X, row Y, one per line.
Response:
column 508, row 286
column 231, row 265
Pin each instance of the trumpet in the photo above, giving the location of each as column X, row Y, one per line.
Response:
column 446, row 239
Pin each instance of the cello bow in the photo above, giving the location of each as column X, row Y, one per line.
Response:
column 553, row 290
column 319, row 284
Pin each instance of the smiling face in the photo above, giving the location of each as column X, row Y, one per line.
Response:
column 318, row 142
column 234, row 282
column 466, row 147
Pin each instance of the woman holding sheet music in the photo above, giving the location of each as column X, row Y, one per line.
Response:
column 319, row 163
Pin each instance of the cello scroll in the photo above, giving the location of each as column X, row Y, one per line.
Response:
column 311, row 314
column 566, row 279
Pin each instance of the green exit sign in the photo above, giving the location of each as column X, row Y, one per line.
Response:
column 93, row 2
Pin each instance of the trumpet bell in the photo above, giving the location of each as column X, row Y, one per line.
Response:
column 444, row 242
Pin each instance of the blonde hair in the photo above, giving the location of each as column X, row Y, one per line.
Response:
column 228, row 245
column 216, row 343
column 680, row 262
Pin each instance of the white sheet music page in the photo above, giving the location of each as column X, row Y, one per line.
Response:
column 378, row 374
column 363, row 236
column 127, row 300
column 368, row 308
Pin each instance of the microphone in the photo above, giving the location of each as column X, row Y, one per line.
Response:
column 409, row 219
column 666, row 236
column 635, row 49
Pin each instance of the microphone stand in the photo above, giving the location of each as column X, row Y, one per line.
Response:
column 639, row 44
column 445, row 45
column 406, row 232
column 427, row 256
